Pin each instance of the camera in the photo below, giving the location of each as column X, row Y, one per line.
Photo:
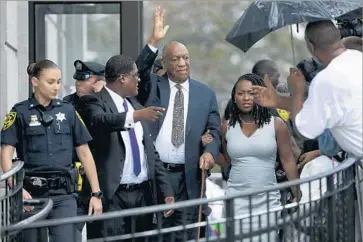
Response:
column 310, row 68
column 350, row 27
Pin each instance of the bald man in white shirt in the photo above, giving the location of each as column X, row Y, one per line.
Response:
column 335, row 94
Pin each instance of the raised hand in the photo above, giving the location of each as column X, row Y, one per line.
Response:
column 265, row 96
column 159, row 30
column 296, row 82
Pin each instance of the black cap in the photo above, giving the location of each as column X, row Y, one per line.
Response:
column 87, row 69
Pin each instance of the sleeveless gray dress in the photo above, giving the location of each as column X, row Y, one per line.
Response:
column 253, row 167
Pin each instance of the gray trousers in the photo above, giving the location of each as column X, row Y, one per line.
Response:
column 63, row 206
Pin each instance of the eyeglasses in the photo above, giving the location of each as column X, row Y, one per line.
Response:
column 134, row 76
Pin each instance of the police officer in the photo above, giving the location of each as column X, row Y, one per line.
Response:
column 44, row 132
column 89, row 76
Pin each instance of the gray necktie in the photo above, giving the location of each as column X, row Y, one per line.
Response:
column 177, row 133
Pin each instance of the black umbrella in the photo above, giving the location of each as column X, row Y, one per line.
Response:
column 265, row 16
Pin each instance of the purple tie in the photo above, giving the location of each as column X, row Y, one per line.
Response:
column 134, row 146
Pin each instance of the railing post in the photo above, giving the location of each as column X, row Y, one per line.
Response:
column 230, row 235
column 332, row 219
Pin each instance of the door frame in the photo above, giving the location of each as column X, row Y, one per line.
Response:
column 131, row 23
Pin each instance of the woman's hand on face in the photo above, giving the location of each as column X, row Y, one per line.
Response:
column 206, row 138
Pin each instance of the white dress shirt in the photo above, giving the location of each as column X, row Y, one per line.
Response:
column 167, row 151
column 128, row 175
column 335, row 103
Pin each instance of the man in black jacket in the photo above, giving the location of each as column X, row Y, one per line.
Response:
column 130, row 171
column 129, row 168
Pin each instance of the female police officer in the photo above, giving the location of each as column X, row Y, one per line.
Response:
column 44, row 132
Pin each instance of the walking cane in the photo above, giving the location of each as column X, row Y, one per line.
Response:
column 201, row 206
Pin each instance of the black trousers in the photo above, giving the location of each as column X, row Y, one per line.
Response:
column 124, row 199
column 182, row 216
column 63, row 206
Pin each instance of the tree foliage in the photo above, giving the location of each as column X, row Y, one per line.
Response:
column 203, row 25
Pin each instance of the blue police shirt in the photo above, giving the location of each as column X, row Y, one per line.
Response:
column 38, row 144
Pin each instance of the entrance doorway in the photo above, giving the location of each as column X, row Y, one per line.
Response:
column 89, row 31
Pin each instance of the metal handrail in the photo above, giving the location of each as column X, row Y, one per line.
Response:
column 196, row 202
column 42, row 214
column 16, row 166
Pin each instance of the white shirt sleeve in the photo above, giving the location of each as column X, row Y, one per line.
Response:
column 320, row 111
column 152, row 48
column 129, row 122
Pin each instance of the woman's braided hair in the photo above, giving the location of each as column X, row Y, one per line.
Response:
column 260, row 114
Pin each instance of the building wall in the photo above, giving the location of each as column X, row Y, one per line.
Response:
column 13, row 54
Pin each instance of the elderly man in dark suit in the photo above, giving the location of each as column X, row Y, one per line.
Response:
column 191, row 109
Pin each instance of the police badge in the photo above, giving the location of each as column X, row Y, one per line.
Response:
column 79, row 66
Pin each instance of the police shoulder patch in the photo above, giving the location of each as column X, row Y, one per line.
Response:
column 9, row 120
column 80, row 118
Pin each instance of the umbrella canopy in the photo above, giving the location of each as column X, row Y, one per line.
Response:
column 265, row 16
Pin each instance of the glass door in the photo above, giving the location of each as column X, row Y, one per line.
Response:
column 88, row 31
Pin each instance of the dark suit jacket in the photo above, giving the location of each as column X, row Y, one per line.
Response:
column 104, row 122
column 202, row 115
column 144, row 64
column 72, row 98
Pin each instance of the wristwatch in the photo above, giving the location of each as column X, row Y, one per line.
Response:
column 98, row 194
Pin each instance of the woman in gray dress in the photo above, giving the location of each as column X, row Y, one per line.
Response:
column 251, row 140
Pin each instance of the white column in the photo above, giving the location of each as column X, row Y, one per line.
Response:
column 13, row 54
column 23, row 49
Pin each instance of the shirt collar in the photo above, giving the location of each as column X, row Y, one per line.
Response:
column 185, row 85
column 33, row 103
column 115, row 97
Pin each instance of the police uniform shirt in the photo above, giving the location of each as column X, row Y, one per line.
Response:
column 41, row 145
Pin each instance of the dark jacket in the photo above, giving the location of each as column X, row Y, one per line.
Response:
column 203, row 114
column 104, row 122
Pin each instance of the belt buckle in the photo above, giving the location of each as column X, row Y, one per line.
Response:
column 53, row 183
column 38, row 181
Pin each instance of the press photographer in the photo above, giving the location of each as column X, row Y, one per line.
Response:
column 335, row 95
